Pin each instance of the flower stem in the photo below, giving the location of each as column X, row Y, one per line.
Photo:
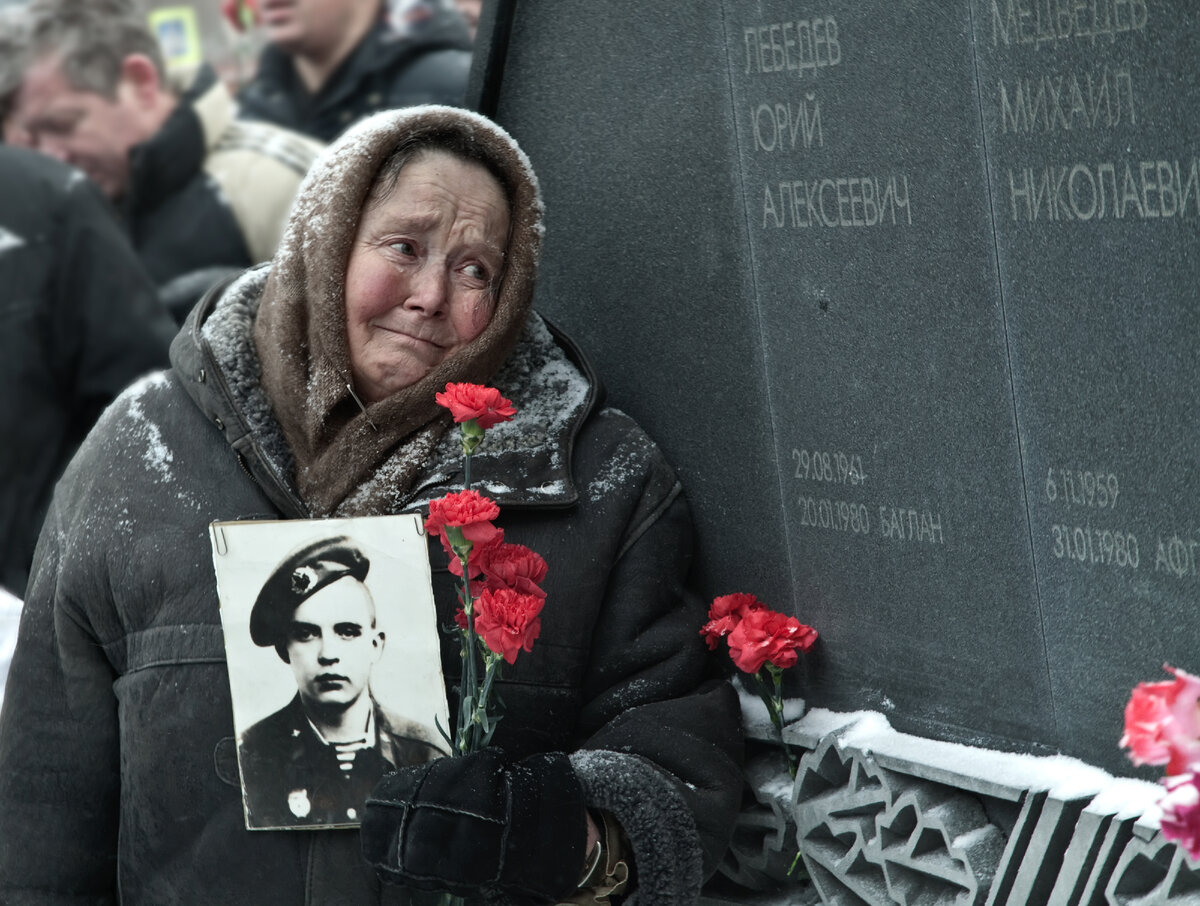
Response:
column 465, row 741
column 772, row 697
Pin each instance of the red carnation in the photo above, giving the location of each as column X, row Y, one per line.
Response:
column 763, row 636
column 474, row 402
column 508, row 621
column 725, row 613
column 513, row 566
column 470, row 513
column 467, row 510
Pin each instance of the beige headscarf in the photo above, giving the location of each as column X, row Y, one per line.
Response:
column 300, row 332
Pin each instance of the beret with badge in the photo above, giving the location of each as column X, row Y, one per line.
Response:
column 302, row 574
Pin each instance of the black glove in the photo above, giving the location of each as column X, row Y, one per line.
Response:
column 478, row 824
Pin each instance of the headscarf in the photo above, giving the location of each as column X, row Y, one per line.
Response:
column 300, row 331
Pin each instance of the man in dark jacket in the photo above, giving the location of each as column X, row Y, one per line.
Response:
column 81, row 322
column 200, row 192
column 329, row 63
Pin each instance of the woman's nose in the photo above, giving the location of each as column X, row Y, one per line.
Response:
column 429, row 290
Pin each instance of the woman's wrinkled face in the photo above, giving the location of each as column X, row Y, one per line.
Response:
column 423, row 270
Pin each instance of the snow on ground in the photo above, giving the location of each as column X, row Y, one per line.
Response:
column 10, row 614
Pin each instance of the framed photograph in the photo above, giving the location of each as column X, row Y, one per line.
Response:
column 334, row 666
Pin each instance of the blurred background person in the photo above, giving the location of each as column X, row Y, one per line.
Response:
column 328, row 63
column 470, row 10
column 12, row 51
column 201, row 193
column 81, row 322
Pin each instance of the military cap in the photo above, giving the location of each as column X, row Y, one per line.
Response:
column 302, row 574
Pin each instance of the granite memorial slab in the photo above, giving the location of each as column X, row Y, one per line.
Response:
column 906, row 292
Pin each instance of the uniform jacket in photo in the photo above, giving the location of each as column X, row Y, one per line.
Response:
column 210, row 193
column 389, row 68
column 292, row 777
column 80, row 321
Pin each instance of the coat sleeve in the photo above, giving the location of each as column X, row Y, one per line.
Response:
column 663, row 744
column 59, row 756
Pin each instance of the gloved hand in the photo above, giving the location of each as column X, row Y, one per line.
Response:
column 479, row 825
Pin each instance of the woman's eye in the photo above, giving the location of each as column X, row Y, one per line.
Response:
column 404, row 247
column 476, row 272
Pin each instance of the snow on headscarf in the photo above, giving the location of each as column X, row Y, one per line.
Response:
column 300, row 332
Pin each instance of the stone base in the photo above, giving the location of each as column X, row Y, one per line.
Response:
column 883, row 817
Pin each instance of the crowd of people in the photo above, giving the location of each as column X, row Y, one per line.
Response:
column 241, row 308
column 198, row 180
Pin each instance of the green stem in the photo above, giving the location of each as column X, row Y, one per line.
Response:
column 772, row 697
column 465, row 740
column 478, row 719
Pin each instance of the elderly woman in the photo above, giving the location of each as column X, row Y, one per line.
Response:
column 306, row 389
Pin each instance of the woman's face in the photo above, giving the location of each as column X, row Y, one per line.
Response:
column 422, row 271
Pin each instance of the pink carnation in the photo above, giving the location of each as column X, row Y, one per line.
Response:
column 1181, row 812
column 1162, row 722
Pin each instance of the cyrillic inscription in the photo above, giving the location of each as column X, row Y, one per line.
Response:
column 844, row 201
column 797, row 45
column 1137, row 190
column 1067, row 102
column 1040, row 22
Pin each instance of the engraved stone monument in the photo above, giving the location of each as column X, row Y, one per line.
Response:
column 907, row 291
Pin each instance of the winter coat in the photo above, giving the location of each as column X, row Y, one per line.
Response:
column 387, row 69
column 118, row 763
column 80, row 322
column 210, row 194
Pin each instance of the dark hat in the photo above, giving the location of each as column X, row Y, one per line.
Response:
column 302, row 574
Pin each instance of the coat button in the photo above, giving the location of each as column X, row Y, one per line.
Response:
column 200, row 377
column 220, row 424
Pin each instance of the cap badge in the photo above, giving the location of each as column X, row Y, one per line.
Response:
column 303, row 578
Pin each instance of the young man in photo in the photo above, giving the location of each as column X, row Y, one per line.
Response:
column 315, row 761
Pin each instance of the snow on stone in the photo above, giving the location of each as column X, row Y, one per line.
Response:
column 988, row 771
column 10, row 617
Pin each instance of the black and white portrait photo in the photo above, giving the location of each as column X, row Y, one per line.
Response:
column 334, row 668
